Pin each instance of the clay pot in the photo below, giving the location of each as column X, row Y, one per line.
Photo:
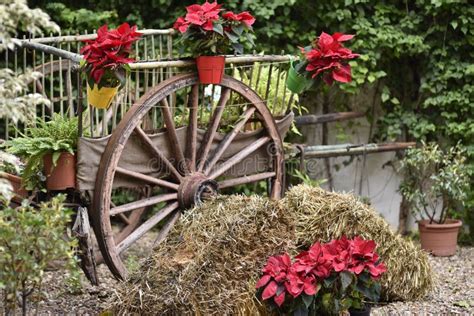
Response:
column 63, row 175
column 210, row 69
column 16, row 184
column 439, row 239
column 360, row 312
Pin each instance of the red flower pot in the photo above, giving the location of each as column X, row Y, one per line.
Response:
column 439, row 239
column 210, row 69
column 63, row 175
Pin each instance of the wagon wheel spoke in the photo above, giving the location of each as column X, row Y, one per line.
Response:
column 229, row 163
column 146, row 227
column 172, row 136
column 224, row 144
column 124, row 218
column 142, row 203
column 191, row 139
column 245, row 179
column 156, row 152
column 144, row 177
column 212, row 129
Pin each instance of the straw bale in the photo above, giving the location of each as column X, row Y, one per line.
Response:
column 210, row 262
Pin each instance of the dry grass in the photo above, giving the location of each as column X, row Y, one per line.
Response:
column 211, row 261
column 322, row 216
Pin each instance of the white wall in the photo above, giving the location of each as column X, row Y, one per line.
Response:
column 379, row 183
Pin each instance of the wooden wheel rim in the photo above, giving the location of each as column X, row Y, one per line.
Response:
column 112, row 153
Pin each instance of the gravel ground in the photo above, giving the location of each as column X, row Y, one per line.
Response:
column 454, row 294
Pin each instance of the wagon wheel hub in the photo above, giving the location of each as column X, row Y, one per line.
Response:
column 194, row 189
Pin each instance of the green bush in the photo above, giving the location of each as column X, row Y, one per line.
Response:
column 432, row 178
column 30, row 239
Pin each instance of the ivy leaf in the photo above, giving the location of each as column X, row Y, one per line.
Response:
column 454, row 24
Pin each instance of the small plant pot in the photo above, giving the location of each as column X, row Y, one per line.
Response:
column 63, row 175
column 360, row 312
column 439, row 239
column 210, row 69
column 295, row 82
column 16, row 184
column 101, row 98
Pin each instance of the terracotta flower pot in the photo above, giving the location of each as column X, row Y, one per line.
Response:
column 439, row 239
column 63, row 175
column 101, row 98
column 210, row 69
column 16, row 184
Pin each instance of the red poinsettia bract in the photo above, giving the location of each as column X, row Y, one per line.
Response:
column 280, row 277
column 244, row 17
column 206, row 15
column 110, row 49
column 329, row 56
column 199, row 15
column 312, row 267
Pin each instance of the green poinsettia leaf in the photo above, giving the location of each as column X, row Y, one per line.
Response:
column 232, row 37
column 238, row 29
column 218, row 28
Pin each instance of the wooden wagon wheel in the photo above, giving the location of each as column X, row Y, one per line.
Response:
column 192, row 173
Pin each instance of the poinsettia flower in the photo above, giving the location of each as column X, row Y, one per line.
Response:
column 330, row 57
column 109, row 50
column 203, row 15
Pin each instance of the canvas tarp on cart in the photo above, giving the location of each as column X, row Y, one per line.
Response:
column 137, row 157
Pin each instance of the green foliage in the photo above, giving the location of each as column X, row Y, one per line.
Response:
column 31, row 239
column 344, row 290
column 16, row 16
column 75, row 21
column 433, row 176
column 47, row 137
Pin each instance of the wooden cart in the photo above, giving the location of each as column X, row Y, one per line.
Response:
column 168, row 167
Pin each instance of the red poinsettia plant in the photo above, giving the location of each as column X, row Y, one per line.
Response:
column 209, row 29
column 325, row 279
column 327, row 57
column 106, row 58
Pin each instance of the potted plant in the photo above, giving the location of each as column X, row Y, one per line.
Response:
column 49, row 151
column 326, row 56
column 210, row 33
column 10, row 170
column 327, row 279
column 106, row 61
column 435, row 184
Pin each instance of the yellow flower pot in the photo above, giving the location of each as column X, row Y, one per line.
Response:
column 101, row 98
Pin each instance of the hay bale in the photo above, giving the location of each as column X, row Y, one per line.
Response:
column 322, row 216
column 210, row 262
